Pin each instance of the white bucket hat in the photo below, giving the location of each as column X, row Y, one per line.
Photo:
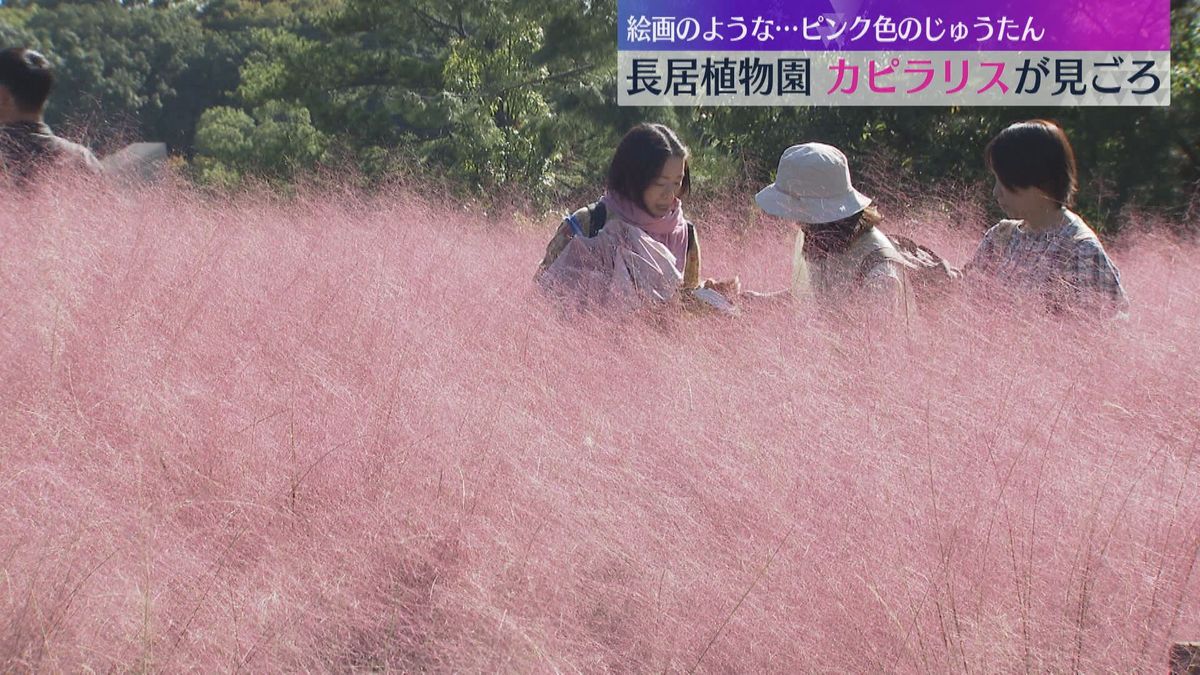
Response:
column 812, row 186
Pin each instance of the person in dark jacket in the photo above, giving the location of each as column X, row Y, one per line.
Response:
column 27, row 146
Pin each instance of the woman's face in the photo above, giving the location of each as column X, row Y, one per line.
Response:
column 1020, row 203
column 660, row 196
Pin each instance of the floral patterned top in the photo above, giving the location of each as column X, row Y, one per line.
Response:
column 1066, row 265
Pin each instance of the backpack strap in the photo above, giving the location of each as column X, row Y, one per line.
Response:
column 588, row 221
column 575, row 225
column 597, row 217
column 905, row 246
column 878, row 256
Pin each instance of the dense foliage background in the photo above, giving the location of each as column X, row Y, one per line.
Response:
column 512, row 97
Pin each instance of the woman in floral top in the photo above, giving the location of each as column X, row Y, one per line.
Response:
column 1046, row 249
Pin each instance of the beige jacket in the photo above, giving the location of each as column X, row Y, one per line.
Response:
column 838, row 278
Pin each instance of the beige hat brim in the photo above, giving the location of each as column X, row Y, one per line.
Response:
column 811, row 210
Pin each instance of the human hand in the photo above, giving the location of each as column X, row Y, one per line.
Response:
column 729, row 288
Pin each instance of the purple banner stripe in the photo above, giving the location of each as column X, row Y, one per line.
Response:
column 883, row 25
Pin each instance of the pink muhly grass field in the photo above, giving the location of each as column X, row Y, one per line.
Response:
column 342, row 433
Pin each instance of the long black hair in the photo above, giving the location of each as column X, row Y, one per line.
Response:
column 823, row 239
column 639, row 159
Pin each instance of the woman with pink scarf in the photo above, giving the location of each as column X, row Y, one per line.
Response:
column 634, row 244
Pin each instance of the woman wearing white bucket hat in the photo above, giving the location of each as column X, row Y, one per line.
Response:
column 839, row 250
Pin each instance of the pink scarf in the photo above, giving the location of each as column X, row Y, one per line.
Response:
column 670, row 230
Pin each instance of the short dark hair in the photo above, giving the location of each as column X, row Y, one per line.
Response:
column 27, row 76
column 640, row 157
column 1035, row 153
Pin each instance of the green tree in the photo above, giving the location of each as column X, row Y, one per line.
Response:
column 148, row 69
column 472, row 87
column 117, row 65
column 276, row 141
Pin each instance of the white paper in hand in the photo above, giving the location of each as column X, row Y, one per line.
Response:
column 139, row 162
column 715, row 300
